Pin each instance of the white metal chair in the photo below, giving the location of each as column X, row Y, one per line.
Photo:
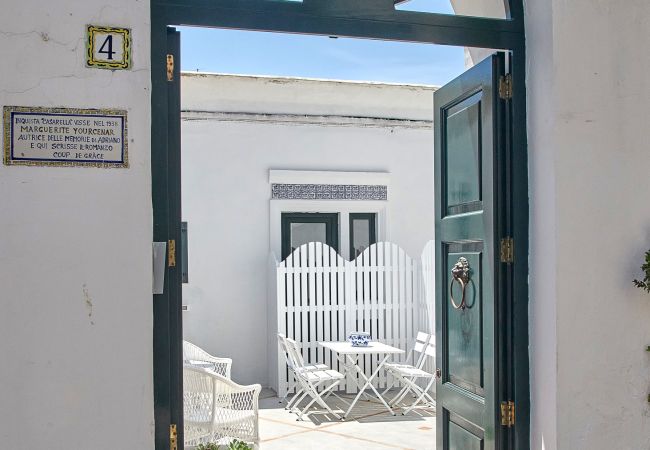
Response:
column 196, row 356
column 421, row 341
column 217, row 409
column 283, row 348
column 315, row 383
column 409, row 374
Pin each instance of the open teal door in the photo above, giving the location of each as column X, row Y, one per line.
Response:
column 469, row 151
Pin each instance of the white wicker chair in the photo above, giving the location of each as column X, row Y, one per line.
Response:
column 196, row 356
column 217, row 409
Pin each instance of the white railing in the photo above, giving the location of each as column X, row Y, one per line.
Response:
column 322, row 297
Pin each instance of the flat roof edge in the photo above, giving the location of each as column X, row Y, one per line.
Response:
column 322, row 80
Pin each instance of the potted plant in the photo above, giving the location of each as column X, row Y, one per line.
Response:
column 209, row 446
column 234, row 445
column 238, row 445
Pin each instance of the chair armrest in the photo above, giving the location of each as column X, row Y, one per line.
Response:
column 252, row 389
column 241, row 396
column 225, row 364
column 222, row 366
column 225, row 386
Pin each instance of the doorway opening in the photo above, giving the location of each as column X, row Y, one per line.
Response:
column 309, row 208
column 464, row 123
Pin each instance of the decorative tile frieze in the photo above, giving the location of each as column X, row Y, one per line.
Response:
column 328, row 192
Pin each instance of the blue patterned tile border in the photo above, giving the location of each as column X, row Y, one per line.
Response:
column 328, row 192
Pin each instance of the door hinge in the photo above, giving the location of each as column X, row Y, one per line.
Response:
column 173, row 437
column 507, row 250
column 170, row 67
column 508, row 413
column 171, row 253
column 505, row 87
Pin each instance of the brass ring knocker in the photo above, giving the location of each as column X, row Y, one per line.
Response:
column 460, row 274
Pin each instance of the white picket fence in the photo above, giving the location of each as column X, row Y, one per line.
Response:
column 322, row 297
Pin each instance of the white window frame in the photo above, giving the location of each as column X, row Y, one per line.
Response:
column 343, row 207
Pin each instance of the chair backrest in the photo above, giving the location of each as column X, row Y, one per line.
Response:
column 421, row 341
column 295, row 355
column 208, row 378
column 191, row 351
column 282, row 343
column 195, row 355
column 421, row 346
column 431, row 348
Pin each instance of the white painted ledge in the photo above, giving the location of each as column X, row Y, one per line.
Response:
column 328, row 177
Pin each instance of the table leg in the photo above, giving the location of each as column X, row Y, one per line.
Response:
column 368, row 382
column 350, row 367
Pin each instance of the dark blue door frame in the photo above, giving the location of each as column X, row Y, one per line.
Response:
column 371, row 19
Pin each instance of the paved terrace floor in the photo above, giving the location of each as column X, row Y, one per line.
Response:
column 369, row 427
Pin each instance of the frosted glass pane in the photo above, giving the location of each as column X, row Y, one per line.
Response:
column 463, row 156
column 361, row 235
column 302, row 233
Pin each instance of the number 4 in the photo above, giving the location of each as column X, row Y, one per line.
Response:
column 108, row 42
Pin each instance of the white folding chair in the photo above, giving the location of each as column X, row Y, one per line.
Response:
column 421, row 341
column 196, row 356
column 283, row 348
column 317, row 384
column 409, row 374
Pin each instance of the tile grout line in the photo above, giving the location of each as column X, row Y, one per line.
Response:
column 302, row 431
column 363, row 439
column 325, row 429
column 333, row 424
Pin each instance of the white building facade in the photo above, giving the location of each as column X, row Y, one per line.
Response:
column 260, row 138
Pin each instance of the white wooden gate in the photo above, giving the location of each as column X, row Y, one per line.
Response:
column 322, row 297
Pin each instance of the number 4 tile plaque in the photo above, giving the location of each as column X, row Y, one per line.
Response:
column 108, row 47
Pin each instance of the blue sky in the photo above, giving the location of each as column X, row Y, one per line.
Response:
column 245, row 52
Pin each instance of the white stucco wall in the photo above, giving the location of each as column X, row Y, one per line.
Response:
column 588, row 88
column 74, row 376
column 75, row 251
column 226, row 190
column 482, row 8
column 543, row 245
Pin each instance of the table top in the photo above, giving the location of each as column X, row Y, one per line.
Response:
column 345, row 348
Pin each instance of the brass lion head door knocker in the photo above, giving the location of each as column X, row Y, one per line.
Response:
column 460, row 275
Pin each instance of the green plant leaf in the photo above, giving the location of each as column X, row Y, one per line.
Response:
column 645, row 283
column 208, row 446
column 238, row 445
